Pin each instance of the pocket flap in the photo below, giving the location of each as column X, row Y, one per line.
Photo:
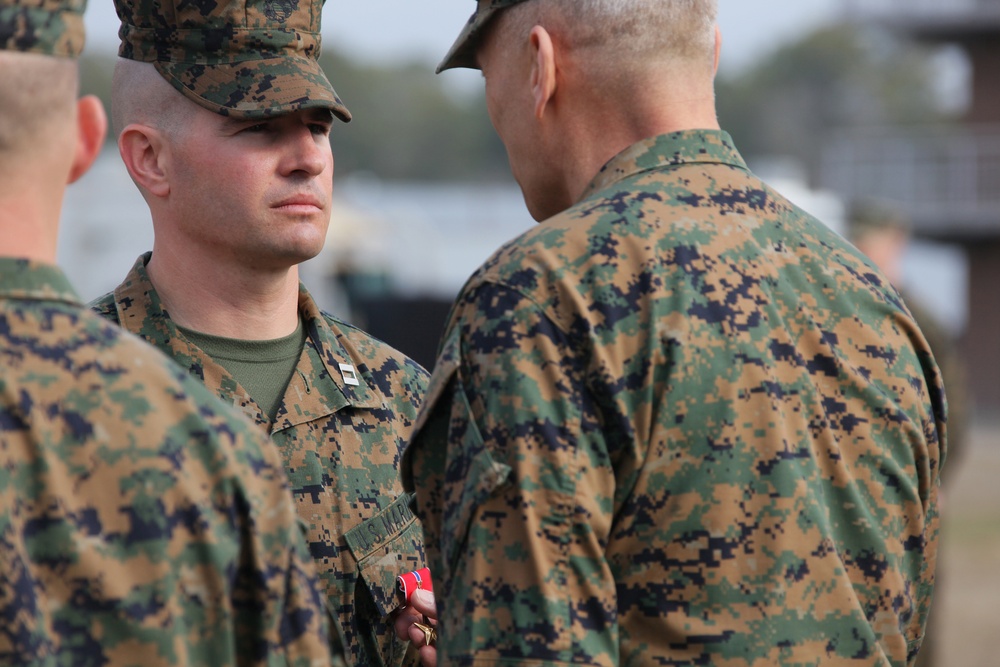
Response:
column 453, row 446
column 386, row 546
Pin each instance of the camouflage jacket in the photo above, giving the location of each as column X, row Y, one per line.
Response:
column 142, row 521
column 680, row 423
column 346, row 415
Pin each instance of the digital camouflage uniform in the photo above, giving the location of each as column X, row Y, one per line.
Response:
column 680, row 423
column 341, row 444
column 352, row 401
column 141, row 520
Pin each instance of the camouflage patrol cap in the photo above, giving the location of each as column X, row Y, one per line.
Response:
column 249, row 59
column 48, row 27
column 463, row 51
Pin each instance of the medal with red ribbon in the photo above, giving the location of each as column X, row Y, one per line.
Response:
column 413, row 581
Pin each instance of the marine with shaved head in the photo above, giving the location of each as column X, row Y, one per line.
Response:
column 681, row 421
column 142, row 520
column 228, row 140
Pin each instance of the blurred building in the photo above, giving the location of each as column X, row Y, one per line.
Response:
column 946, row 178
column 397, row 253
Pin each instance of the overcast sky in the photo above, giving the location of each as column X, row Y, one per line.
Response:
column 386, row 30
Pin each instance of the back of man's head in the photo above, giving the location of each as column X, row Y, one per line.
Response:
column 38, row 93
column 39, row 40
column 571, row 83
column 48, row 138
column 621, row 35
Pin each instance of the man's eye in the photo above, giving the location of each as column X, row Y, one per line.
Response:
column 319, row 128
column 259, row 127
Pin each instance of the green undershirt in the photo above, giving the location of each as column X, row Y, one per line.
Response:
column 262, row 367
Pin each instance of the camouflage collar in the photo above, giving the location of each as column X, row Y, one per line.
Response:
column 140, row 311
column 37, row 281
column 667, row 150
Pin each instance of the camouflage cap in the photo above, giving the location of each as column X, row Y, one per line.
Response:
column 249, row 59
column 48, row 27
column 463, row 51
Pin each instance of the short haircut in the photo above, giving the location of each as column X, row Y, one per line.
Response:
column 624, row 34
column 36, row 92
column 140, row 95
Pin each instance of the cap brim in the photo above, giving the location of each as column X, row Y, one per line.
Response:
column 256, row 89
column 463, row 51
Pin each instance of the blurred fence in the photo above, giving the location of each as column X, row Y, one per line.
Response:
column 947, row 179
column 915, row 9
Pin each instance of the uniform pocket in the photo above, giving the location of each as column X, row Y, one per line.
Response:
column 386, row 546
column 472, row 475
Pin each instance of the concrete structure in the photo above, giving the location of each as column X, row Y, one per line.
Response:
column 947, row 178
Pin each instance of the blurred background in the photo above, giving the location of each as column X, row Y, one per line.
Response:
column 834, row 102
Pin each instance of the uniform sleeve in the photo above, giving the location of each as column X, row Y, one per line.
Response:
column 525, row 501
column 156, row 529
column 277, row 597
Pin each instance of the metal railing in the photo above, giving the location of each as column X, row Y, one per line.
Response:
column 947, row 179
column 922, row 8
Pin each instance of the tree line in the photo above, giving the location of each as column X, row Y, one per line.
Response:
column 408, row 125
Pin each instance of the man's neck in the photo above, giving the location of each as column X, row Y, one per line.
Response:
column 29, row 223
column 216, row 298
column 601, row 130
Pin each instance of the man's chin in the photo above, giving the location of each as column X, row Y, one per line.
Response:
column 282, row 259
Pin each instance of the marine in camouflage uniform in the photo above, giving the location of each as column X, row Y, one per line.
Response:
column 142, row 521
column 680, row 422
column 341, row 445
column 344, row 416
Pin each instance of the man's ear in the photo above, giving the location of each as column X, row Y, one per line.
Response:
column 543, row 69
column 141, row 148
column 92, row 128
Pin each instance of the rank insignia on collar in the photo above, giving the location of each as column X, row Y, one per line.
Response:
column 350, row 375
